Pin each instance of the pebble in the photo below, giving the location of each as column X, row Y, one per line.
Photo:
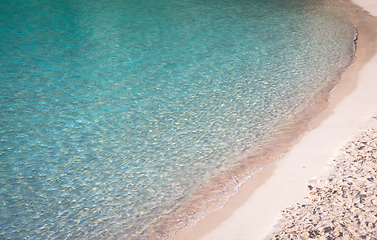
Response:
column 343, row 203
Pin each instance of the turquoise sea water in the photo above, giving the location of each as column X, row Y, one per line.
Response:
column 112, row 112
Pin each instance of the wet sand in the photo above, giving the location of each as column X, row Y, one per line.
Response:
column 255, row 211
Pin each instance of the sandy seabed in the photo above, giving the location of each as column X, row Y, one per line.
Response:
column 327, row 183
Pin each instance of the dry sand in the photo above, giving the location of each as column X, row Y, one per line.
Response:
column 255, row 211
column 342, row 202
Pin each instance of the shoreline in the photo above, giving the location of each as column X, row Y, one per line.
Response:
column 251, row 213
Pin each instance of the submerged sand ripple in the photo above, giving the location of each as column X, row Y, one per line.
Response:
column 342, row 204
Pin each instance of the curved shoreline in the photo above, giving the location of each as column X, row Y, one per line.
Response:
column 250, row 214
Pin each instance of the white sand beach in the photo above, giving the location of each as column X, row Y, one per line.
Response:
column 256, row 210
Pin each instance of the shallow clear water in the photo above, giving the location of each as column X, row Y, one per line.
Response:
column 112, row 112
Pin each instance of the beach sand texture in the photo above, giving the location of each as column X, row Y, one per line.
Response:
column 255, row 211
